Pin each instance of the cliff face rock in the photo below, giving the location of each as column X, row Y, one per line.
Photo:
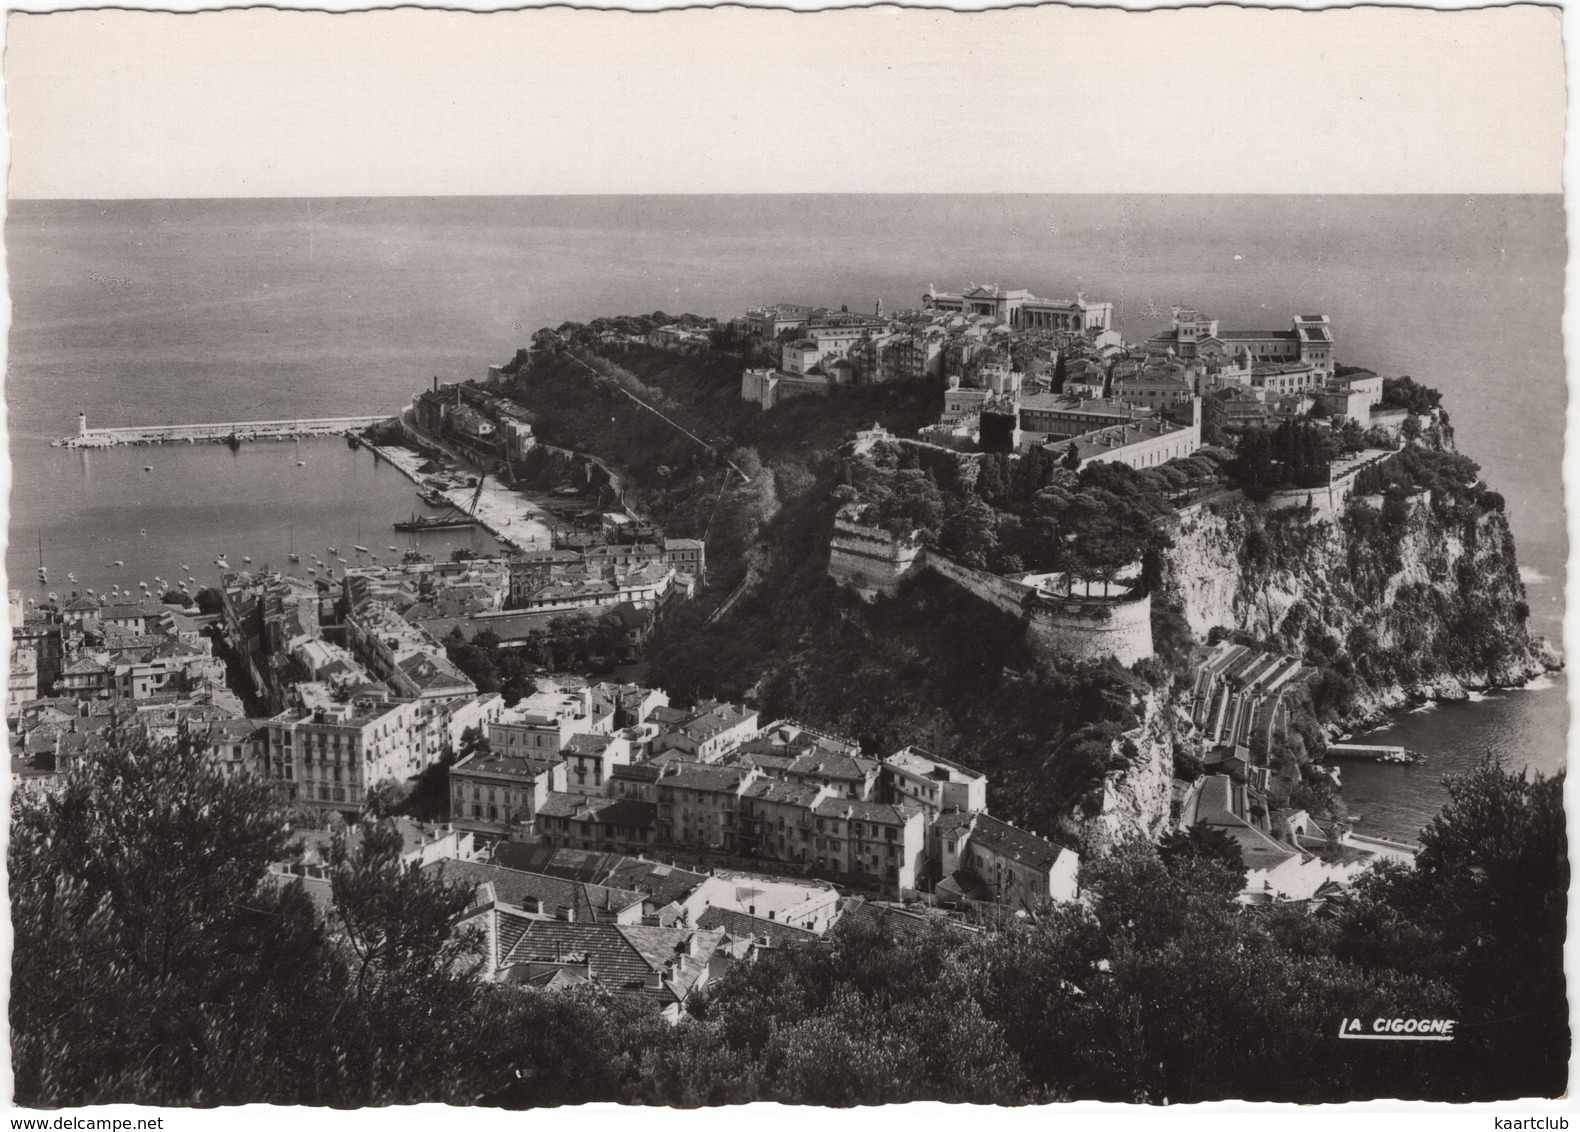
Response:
column 1419, row 599
column 1135, row 800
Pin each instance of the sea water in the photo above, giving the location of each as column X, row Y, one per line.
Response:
column 1519, row 728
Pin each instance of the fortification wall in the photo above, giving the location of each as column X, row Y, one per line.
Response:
column 1070, row 628
column 1329, row 501
column 868, row 559
column 1325, row 502
column 1002, row 592
column 872, row 561
column 1079, row 629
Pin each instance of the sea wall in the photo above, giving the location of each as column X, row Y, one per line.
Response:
column 86, row 437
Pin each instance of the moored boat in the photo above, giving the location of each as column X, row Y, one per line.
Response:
column 435, row 523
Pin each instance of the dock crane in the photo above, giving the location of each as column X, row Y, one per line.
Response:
column 471, row 507
column 461, row 518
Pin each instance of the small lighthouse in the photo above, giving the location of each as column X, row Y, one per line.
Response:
column 82, row 424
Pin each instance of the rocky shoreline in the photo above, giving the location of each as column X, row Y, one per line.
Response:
column 1383, row 704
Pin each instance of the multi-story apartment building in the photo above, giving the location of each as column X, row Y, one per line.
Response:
column 711, row 731
column 636, row 781
column 1235, row 408
column 501, row 795
column 624, row 556
column 234, row 746
column 917, row 356
column 983, row 856
column 590, row 761
column 789, row 752
column 404, row 656
column 262, row 615
column 776, row 819
column 473, row 713
column 698, row 805
column 531, row 571
column 540, row 725
column 688, row 555
column 799, row 358
column 626, row 704
column 1158, row 391
column 813, row 825
column 875, row 359
column 1282, row 378
column 22, row 684
column 835, row 335
column 885, row 840
column 331, row 757
column 604, row 825
column 931, row 783
column 530, row 735
column 962, row 403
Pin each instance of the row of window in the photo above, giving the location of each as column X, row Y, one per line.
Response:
column 478, row 792
column 833, row 844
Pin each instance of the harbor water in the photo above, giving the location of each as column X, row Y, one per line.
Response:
column 92, row 508
column 1523, row 727
column 152, row 312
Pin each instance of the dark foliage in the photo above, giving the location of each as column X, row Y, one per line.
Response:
column 1295, row 454
column 1485, row 912
column 1406, row 393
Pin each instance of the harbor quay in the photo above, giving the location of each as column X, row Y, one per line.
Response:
column 86, row 437
column 515, row 521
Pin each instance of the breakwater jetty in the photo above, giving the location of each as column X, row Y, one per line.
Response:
column 223, row 431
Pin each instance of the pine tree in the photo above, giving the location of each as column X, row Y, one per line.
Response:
column 991, row 482
column 155, row 962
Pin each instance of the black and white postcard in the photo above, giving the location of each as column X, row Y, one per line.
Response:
column 716, row 557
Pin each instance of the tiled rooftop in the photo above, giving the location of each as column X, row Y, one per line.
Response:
column 536, row 892
column 622, row 956
column 1016, row 844
column 739, row 925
